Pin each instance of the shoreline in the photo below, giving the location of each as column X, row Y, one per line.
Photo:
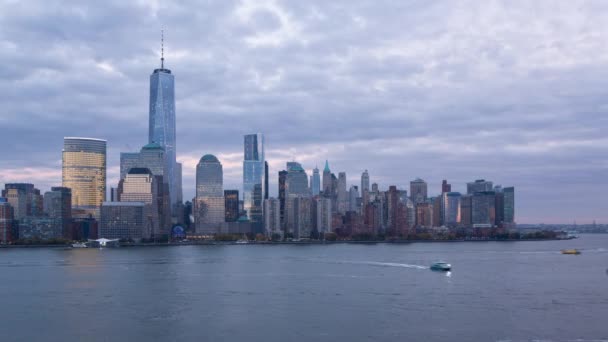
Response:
column 270, row 243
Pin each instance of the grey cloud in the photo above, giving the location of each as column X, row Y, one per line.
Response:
column 509, row 91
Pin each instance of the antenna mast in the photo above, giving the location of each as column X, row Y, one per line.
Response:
column 162, row 49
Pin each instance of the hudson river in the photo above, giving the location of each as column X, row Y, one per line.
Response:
column 497, row 291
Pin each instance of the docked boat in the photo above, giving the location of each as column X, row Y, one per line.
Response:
column 441, row 266
column 79, row 245
column 571, row 251
column 242, row 242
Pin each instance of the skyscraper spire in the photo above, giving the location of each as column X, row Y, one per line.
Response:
column 162, row 49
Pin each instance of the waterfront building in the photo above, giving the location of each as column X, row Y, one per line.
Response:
column 397, row 213
column 436, row 202
column 483, row 209
column 231, row 205
column 210, row 207
column 424, row 215
column 315, row 182
column 253, row 179
column 6, row 221
column 38, row 228
column 140, row 185
column 282, row 196
column 499, row 206
column 124, row 220
column 58, row 206
column 21, row 198
column 451, row 208
column 84, row 172
column 509, row 205
column 480, row 185
column 466, row 211
column 296, row 186
column 272, row 217
column 418, row 191
column 373, row 216
column 343, row 199
column 322, row 218
column 161, row 128
column 302, row 217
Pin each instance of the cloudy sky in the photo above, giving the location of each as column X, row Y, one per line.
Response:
column 510, row 91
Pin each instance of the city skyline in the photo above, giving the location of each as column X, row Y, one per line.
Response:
column 546, row 147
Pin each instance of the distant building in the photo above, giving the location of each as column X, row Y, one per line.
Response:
column 272, row 217
column 322, row 220
column 23, row 198
column 302, row 218
column 140, row 186
column 375, row 188
column 58, row 206
column 466, row 211
column 128, row 160
column 210, row 210
column 397, row 213
column 231, row 205
column 353, row 195
column 39, row 228
column 316, row 182
column 282, row 196
column 480, row 185
column 343, row 196
column 365, row 182
column 84, row 172
column 424, row 215
column 6, row 221
column 327, row 180
column 451, row 209
column 418, row 191
column 254, row 179
column 124, row 220
column 445, row 187
column 509, row 205
column 483, row 209
column 296, row 186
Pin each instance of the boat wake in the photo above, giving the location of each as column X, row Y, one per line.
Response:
column 386, row 264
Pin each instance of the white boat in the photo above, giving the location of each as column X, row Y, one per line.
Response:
column 242, row 242
column 79, row 245
column 441, row 266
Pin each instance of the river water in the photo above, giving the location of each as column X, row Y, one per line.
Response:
column 497, row 291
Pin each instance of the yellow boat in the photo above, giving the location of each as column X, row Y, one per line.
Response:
column 571, row 251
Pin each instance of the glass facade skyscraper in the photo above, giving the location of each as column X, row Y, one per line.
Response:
column 209, row 205
column 254, row 179
column 84, row 171
column 162, row 123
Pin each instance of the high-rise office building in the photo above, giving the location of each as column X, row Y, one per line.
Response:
column 480, row 185
column 424, row 215
column 375, row 188
column 343, row 199
column 445, row 186
column 302, row 217
column 364, row 182
column 466, row 211
column 451, row 208
column 509, row 205
column 6, row 221
column 353, row 194
column 231, row 205
column 282, row 196
column 58, row 206
column 210, row 206
column 327, row 181
column 161, row 129
column 123, row 220
column 266, row 179
column 272, row 217
column 322, row 214
column 296, row 186
column 396, row 213
column 179, row 195
column 84, row 172
column 254, row 180
column 315, row 183
column 22, row 198
column 483, row 209
column 140, row 185
column 128, row 160
column 418, row 191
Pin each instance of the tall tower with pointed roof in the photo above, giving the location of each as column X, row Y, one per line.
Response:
column 162, row 119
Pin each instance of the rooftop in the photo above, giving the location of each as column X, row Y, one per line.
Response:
column 209, row 158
